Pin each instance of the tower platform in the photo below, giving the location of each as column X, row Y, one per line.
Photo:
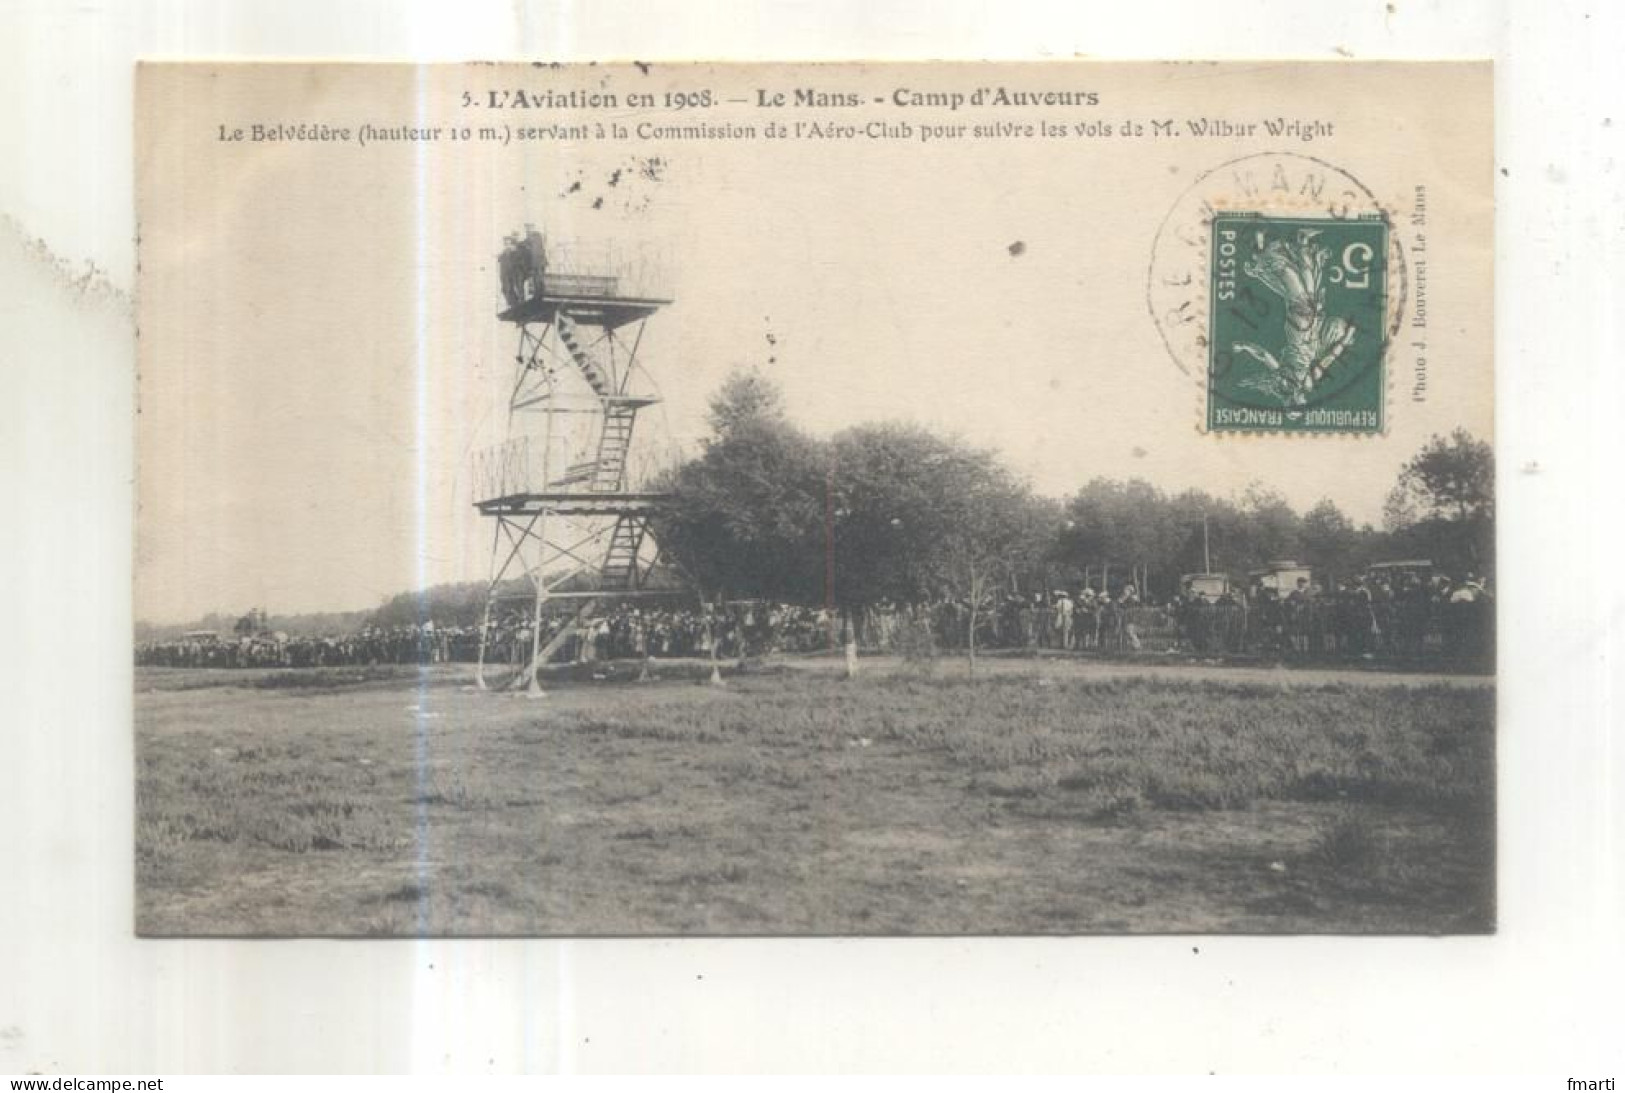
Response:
column 575, row 297
column 572, row 504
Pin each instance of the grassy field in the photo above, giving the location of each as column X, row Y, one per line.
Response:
column 1030, row 800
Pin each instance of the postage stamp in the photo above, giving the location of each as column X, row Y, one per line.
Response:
column 1295, row 326
column 1278, row 283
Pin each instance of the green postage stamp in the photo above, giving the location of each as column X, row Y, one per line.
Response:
column 1297, row 324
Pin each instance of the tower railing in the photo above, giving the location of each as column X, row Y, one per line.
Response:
column 505, row 470
column 516, row 468
column 582, row 284
column 611, row 270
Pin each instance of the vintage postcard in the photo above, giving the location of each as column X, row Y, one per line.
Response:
column 879, row 499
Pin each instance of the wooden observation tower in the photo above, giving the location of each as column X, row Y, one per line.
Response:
column 568, row 520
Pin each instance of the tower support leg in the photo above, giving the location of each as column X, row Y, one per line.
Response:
column 534, row 688
column 485, row 616
column 711, row 640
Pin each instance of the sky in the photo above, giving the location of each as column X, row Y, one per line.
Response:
column 321, row 358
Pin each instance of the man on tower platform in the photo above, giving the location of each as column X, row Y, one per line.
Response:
column 536, row 258
column 514, row 264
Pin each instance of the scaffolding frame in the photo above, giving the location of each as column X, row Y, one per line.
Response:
column 577, row 533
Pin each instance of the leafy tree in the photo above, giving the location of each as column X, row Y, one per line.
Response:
column 1088, row 534
column 1330, row 542
column 992, row 529
column 746, row 399
column 1209, row 530
column 887, row 492
column 746, row 519
column 915, row 515
column 1270, row 528
column 1126, row 525
column 458, row 604
column 1449, row 479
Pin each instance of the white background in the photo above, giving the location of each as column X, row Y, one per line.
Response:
column 79, row 994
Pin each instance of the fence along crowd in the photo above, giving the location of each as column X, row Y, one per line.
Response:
column 1407, row 615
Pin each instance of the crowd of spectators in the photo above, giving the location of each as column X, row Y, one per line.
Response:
column 618, row 632
column 1406, row 615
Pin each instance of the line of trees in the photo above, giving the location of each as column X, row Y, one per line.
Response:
column 892, row 511
column 255, row 620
